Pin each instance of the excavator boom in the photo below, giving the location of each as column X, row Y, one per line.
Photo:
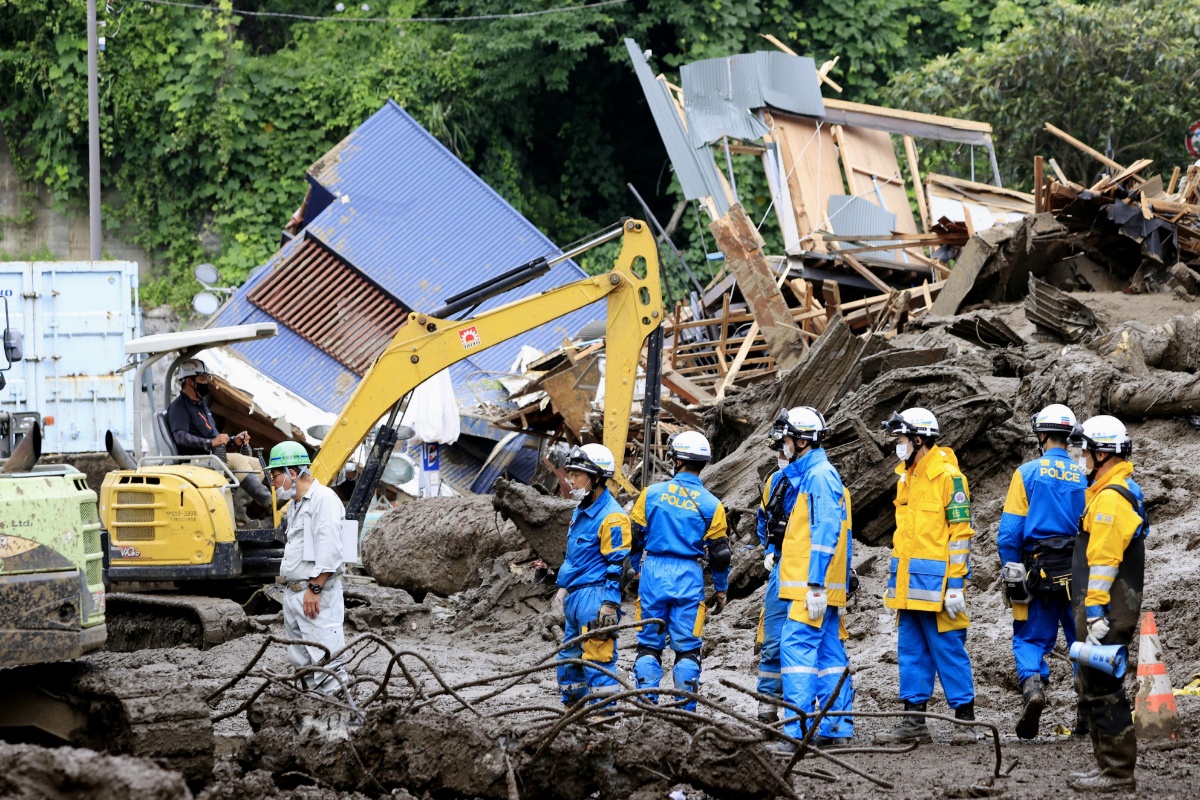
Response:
column 426, row 345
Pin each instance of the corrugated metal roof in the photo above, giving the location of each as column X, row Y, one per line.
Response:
column 417, row 222
column 854, row 216
column 331, row 304
column 719, row 94
column 695, row 169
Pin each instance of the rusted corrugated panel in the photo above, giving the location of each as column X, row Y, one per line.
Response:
column 330, row 304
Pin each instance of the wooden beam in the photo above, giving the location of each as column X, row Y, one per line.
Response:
column 908, row 116
column 1038, row 180
column 871, row 277
column 1174, row 181
column 1078, row 145
column 738, row 239
column 910, row 150
column 1058, row 173
column 739, row 359
column 690, row 391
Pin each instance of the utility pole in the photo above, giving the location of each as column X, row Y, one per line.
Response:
column 93, row 135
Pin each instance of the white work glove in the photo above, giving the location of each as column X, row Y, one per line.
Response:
column 1013, row 572
column 769, row 561
column 817, row 601
column 956, row 603
column 560, row 597
column 1097, row 629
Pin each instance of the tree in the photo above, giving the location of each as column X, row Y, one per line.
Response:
column 1118, row 76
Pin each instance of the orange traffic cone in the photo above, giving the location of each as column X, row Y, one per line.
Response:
column 1156, row 716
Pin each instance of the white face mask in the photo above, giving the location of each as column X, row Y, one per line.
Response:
column 1082, row 462
column 903, row 450
column 289, row 493
column 579, row 494
column 782, row 462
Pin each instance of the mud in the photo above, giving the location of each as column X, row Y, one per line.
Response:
column 39, row 773
column 437, row 545
column 541, row 519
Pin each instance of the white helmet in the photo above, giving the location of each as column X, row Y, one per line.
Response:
column 1103, row 434
column 594, row 459
column 1054, row 418
column 191, row 367
column 912, row 422
column 690, row 447
column 803, row 422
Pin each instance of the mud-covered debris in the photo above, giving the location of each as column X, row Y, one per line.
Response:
column 541, row 519
column 37, row 773
column 1057, row 313
column 374, row 607
column 437, row 545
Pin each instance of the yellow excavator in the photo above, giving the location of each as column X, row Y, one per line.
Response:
column 170, row 520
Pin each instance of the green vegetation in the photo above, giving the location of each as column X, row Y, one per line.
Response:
column 210, row 118
column 1118, row 76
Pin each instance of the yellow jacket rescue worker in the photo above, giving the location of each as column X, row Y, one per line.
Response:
column 930, row 565
column 1106, row 593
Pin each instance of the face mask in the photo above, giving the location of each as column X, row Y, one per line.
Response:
column 1082, row 462
column 903, row 450
column 782, row 462
column 202, row 389
column 289, row 493
column 579, row 494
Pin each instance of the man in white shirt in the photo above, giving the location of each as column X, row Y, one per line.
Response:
column 312, row 565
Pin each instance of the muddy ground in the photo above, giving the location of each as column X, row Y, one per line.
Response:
column 287, row 748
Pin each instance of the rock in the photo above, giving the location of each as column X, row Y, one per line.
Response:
column 34, row 773
column 436, row 544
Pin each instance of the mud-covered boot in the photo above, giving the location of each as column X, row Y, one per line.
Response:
column 965, row 734
column 910, row 729
column 1083, row 724
column 1091, row 733
column 1117, row 757
column 767, row 713
column 1035, row 701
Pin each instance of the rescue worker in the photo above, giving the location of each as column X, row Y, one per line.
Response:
column 312, row 566
column 676, row 522
column 772, row 522
column 590, row 578
column 1107, row 580
column 927, row 578
column 814, row 577
column 1036, row 542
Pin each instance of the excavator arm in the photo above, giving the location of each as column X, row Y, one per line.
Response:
column 426, row 345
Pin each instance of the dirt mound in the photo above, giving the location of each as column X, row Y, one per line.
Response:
column 541, row 519
column 437, row 545
column 37, row 773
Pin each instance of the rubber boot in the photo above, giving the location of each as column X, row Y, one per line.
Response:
column 767, row 713
column 965, row 734
column 648, row 672
column 1117, row 757
column 1083, row 724
column 257, row 492
column 1095, row 737
column 910, row 729
column 1035, row 701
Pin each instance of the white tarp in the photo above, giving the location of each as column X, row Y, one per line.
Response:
column 433, row 411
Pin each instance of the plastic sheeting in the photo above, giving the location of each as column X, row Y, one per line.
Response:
column 433, row 411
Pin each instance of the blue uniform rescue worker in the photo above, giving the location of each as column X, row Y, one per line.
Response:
column 772, row 522
column 590, row 579
column 675, row 523
column 1036, row 543
column 1107, row 581
column 930, row 565
column 814, row 578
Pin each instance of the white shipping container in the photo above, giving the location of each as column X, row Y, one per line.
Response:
column 75, row 317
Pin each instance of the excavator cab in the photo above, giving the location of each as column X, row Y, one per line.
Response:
column 171, row 518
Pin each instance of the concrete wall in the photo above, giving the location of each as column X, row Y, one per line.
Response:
column 64, row 235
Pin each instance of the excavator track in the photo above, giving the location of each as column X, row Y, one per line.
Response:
column 136, row 712
column 148, row 621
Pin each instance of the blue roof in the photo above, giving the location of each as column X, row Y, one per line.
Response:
column 397, row 205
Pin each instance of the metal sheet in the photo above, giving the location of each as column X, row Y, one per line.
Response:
column 854, row 216
column 720, row 94
column 401, row 209
column 695, row 169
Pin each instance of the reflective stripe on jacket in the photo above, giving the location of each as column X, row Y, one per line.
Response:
column 816, row 546
column 932, row 545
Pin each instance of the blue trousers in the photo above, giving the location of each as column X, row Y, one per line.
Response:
column 575, row 681
column 1034, row 638
column 671, row 589
column 774, row 613
column 813, row 660
column 924, row 653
